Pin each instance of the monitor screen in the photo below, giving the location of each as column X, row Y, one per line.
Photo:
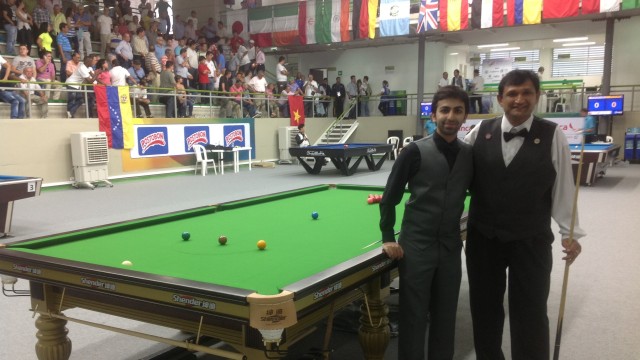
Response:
column 425, row 110
column 605, row 105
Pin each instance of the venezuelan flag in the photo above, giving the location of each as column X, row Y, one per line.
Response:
column 114, row 115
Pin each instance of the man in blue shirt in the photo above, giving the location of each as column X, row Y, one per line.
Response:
column 64, row 49
column 589, row 129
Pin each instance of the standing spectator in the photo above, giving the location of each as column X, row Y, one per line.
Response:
column 83, row 74
column 57, row 18
column 522, row 180
column 25, row 25
column 477, row 84
column 133, row 25
column 182, row 67
column 211, row 66
column 10, row 25
column 185, row 104
column 384, row 98
column 139, row 45
column 260, row 60
column 222, row 32
column 190, row 31
column 102, row 72
column 457, row 79
column 235, row 42
column 164, row 24
column 325, row 90
column 16, row 101
column 33, row 92
column 154, row 68
column 194, row 19
column 64, row 50
column 124, row 51
column 83, row 22
column 139, row 94
column 44, row 39
column 243, row 55
column 204, row 81
column 72, row 32
column 224, row 87
column 234, row 63
column 221, row 62
column 105, row 24
column 209, row 31
column 444, row 81
column 283, row 103
column 339, row 92
column 160, row 47
column 46, row 73
column 192, row 58
column 72, row 64
column 352, row 93
column 120, row 75
column 258, row 86
column 40, row 16
column 310, row 88
column 438, row 171
column 178, row 27
column 365, row 92
column 168, row 83
column 281, row 74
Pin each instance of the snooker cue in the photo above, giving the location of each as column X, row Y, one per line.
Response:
column 565, row 280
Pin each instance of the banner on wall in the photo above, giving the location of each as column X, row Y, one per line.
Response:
column 178, row 139
column 494, row 69
column 570, row 126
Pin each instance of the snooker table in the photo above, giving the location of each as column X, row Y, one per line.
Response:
column 597, row 157
column 14, row 188
column 341, row 156
column 309, row 269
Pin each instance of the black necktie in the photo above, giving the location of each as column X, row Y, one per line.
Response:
column 510, row 135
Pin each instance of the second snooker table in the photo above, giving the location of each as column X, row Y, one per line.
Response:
column 309, row 269
column 341, row 156
column 14, row 188
column 597, row 157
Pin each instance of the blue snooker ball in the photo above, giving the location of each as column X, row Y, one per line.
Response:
column 314, row 215
column 186, row 235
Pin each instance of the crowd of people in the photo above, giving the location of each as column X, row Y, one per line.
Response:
column 156, row 55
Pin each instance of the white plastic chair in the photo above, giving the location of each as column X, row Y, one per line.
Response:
column 201, row 158
column 395, row 141
column 609, row 139
column 408, row 140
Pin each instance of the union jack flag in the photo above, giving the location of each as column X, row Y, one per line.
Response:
column 428, row 19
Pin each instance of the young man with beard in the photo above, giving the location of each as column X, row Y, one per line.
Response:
column 438, row 170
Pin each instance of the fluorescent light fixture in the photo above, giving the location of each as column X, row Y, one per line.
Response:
column 453, row 54
column 582, row 38
column 492, row 45
column 506, row 49
column 580, row 43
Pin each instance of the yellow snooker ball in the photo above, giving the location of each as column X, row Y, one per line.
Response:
column 127, row 263
column 261, row 244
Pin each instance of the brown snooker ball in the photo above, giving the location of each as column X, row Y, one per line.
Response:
column 222, row 240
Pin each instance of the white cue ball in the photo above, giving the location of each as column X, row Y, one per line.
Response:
column 127, row 263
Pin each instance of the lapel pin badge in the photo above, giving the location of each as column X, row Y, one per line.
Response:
column 536, row 141
column 487, row 136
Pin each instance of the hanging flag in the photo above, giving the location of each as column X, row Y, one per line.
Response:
column 373, row 16
column 261, row 25
column 489, row 13
column 428, row 19
column 355, row 19
column 558, row 9
column 364, row 20
column 599, row 6
column 394, row 17
column 454, row 15
column 524, row 12
column 307, row 22
column 630, row 4
column 302, row 22
column 285, row 24
column 296, row 110
column 340, row 21
column 114, row 115
column 323, row 22
column 237, row 22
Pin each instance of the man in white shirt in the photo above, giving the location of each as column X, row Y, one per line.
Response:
column 522, row 179
column 83, row 74
column 119, row 75
column 33, row 92
column 281, row 74
column 444, row 81
column 310, row 88
column 243, row 55
column 476, row 85
column 104, row 23
column 258, row 86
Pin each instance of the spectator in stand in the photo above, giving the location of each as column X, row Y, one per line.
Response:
column 25, row 25
column 114, row 40
column 178, row 27
column 365, row 93
column 105, row 23
column 224, row 87
column 139, row 95
column 40, row 16
column 83, row 74
column 194, row 19
column 163, row 24
column 124, row 52
column 281, row 74
column 133, row 25
column 272, row 104
column 33, row 92
column 72, row 33
column 22, row 61
column 136, row 71
column 182, row 67
column 57, row 18
column 221, row 31
column 83, row 21
column 294, row 87
column 44, row 39
column 182, row 44
column 146, row 21
column 218, row 56
column 192, row 58
column 204, row 81
column 119, row 75
column 258, row 86
column 260, row 60
column 160, row 47
column 339, row 92
column 248, row 104
column 326, row 98
column 384, row 98
column 73, row 64
column 122, row 27
column 46, row 72
column 152, row 32
column 185, row 104
column 168, row 83
column 211, row 66
column 283, row 103
column 352, row 93
column 139, row 45
column 102, row 72
column 234, row 63
column 10, row 25
column 64, row 50
column 235, row 42
column 190, row 31
column 154, row 68
column 209, row 31
column 16, row 101
column 310, row 88
column 245, row 62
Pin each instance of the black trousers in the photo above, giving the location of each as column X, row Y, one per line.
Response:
column 529, row 263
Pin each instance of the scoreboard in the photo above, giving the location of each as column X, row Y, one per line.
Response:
column 605, row 105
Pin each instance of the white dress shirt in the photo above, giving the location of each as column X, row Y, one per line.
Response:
column 564, row 185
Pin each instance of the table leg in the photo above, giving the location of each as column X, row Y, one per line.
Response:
column 53, row 343
column 221, row 161
column 374, row 331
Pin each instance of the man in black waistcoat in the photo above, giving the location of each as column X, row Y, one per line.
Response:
column 522, row 179
column 438, row 170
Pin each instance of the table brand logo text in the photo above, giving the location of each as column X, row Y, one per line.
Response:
column 194, row 302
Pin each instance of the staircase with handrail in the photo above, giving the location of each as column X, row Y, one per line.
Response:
column 341, row 129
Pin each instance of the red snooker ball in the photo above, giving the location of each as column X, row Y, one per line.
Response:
column 370, row 201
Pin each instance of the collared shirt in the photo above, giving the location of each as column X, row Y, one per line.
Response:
column 181, row 67
column 140, row 45
column 29, row 86
column 124, row 49
column 41, row 15
column 564, row 186
column 160, row 50
column 79, row 76
column 136, row 74
column 56, row 20
column 64, row 43
column 118, row 76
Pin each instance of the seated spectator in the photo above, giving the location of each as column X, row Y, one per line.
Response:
column 185, row 104
column 22, row 61
column 33, row 92
column 272, row 104
column 136, row 71
column 46, row 72
column 8, row 96
column 139, row 95
column 248, row 104
column 73, row 64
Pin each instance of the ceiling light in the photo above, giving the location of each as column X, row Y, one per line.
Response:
column 506, row 49
column 583, row 38
column 453, row 54
column 580, row 43
column 492, row 45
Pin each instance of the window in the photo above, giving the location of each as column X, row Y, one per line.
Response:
column 578, row 61
column 522, row 59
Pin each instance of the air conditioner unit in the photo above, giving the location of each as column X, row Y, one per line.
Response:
column 90, row 157
column 286, row 140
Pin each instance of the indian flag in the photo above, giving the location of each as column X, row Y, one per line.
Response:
column 261, row 25
column 334, row 23
column 285, row 24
